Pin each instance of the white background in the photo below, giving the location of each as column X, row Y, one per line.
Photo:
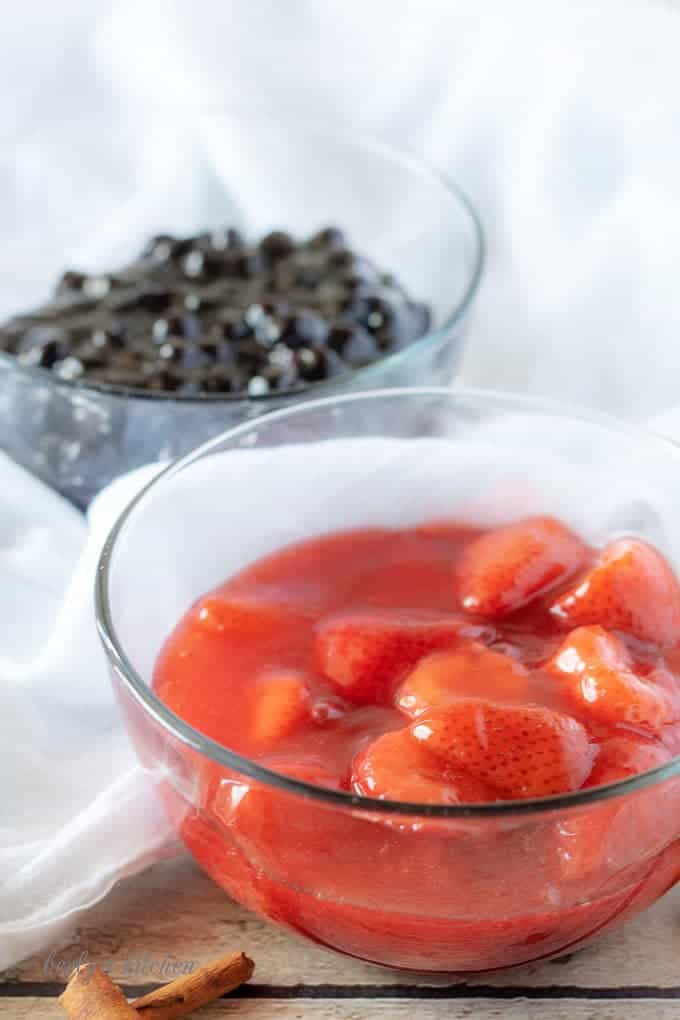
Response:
column 561, row 119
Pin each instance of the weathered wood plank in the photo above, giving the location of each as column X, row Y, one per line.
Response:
column 173, row 916
column 363, row 1009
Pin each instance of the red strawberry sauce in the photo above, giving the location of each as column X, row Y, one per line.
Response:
column 435, row 665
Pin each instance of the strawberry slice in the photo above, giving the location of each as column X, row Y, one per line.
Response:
column 247, row 805
column 622, row 757
column 631, row 588
column 281, row 703
column 365, row 653
column 469, row 671
column 504, row 569
column 522, row 751
column 277, row 833
column 597, row 676
column 251, row 617
column 617, row 833
column 394, row 767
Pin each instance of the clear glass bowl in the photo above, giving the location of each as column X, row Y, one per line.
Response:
column 436, row 888
column 79, row 194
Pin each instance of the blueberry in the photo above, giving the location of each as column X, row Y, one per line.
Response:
column 160, row 330
column 340, row 333
column 281, row 368
column 277, row 245
column 193, row 263
column 145, row 298
column 314, row 363
column 355, row 284
column 211, row 313
column 226, row 239
column 258, row 386
column 158, row 247
column 222, row 379
column 234, row 326
column 355, row 309
column 283, row 276
column 93, row 355
column 163, row 380
column 378, row 314
column 186, row 326
column 358, row 348
column 184, row 355
column 329, row 237
column 250, row 353
column 192, row 355
column 202, row 265
column 308, row 274
column 43, row 346
column 181, row 246
column 115, row 332
column 170, row 351
column 309, row 277
column 281, row 357
column 71, row 282
column 218, row 350
column 191, row 327
column 343, row 258
column 277, row 309
column 106, row 339
column 127, row 360
column 360, row 273
column 97, row 287
column 243, row 265
column 304, row 328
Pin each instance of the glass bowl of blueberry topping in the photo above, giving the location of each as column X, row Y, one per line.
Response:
column 269, row 262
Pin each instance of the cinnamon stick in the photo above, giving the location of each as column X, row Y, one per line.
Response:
column 193, row 990
column 91, row 995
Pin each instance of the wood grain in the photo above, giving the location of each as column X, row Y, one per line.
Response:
column 358, row 1009
column 153, row 927
column 161, row 924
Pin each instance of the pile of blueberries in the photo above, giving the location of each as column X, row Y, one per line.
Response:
column 215, row 314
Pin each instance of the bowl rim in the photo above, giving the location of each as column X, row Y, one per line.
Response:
column 192, row 738
column 368, row 142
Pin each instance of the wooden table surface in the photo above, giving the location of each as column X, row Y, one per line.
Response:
column 171, row 918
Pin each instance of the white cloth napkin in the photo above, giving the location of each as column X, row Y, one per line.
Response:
column 549, row 115
column 76, row 809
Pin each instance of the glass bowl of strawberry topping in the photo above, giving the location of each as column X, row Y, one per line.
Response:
column 405, row 667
